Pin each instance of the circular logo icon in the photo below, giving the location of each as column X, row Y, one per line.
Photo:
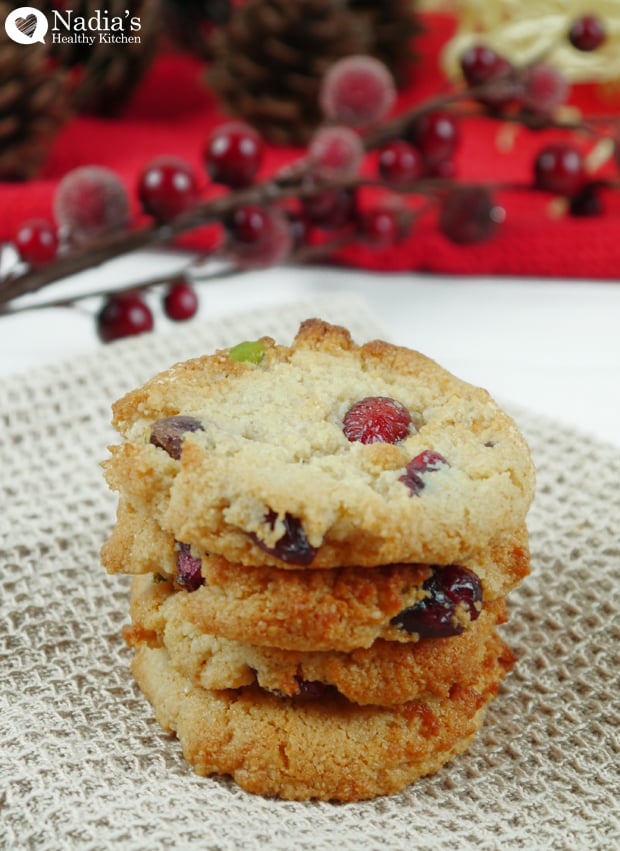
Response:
column 26, row 25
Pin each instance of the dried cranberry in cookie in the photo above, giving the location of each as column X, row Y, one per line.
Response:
column 426, row 462
column 188, row 575
column 168, row 433
column 377, row 419
column 293, row 547
column 454, row 598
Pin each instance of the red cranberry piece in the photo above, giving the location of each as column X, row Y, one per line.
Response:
column 469, row 216
column 189, row 574
column 400, row 163
column 233, row 154
column 293, row 547
column 169, row 432
column 559, row 168
column 426, row 462
column 310, row 689
column 123, row 316
column 36, row 242
column 482, row 65
column 377, row 419
column 167, row 187
column 436, row 134
column 447, row 588
column 181, row 301
column 587, row 33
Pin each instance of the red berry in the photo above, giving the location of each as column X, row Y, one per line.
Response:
column 377, row 419
column 481, row 65
column 181, row 301
column 167, row 187
column 257, row 237
column 380, row 225
column 248, row 223
column 37, row 242
column 328, row 208
column 426, row 462
column 233, row 154
column 293, row 547
column 436, row 134
column 168, row 433
column 559, row 168
column 587, row 33
column 335, row 152
column 189, row 574
column 447, row 589
column 357, row 90
column 544, row 87
column 469, row 215
column 400, row 163
column 91, row 203
column 123, row 315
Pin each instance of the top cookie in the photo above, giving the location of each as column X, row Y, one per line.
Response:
column 321, row 454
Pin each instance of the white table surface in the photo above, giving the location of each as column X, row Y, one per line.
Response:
column 551, row 346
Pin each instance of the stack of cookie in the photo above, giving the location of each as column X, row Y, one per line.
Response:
column 322, row 537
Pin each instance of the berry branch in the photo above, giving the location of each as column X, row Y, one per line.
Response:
column 309, row 210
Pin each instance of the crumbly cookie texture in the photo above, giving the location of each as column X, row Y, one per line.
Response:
column 329, row 749
column 268, row 469
column 340, row 609
column 384, row 674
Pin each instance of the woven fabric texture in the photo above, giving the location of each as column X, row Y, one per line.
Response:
column 84, row 765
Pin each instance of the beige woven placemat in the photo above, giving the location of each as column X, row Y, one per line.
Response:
column 83, row 764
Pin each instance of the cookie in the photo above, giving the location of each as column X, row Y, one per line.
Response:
column 328, row 749
column 384, row 674
column 321, row 454
column 340, row 609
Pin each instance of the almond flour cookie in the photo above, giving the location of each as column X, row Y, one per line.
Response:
column 384, row 674
column 322, row 454
column 328, row 749
column 340, row 609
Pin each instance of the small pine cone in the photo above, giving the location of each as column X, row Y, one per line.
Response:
column 191, row 23
column 393, row 24
column 109, row 73
column 34, row 104
column 271, row 57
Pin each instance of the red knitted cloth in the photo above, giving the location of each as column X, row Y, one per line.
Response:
column 172, row 113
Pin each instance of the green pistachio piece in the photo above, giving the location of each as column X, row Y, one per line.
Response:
column 250, row 351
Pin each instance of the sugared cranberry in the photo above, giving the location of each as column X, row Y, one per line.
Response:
column 328, row 208
column 189, row 574
column 469, row 215
column 233, row 154
column 293, row 547
column 481, row 65
column 544, row 88
column 559, row 168
column 168, row 433
column 436, row 134
column 335, row 152
column 181, row 301
column 587, row 33
column 380, row 226
column 167, row 187
column 91, row 202
column 357, row 91
column 123, row 315
column 36, row 242
column 435, row 616
column 377, row 419
column 426, row 462
column 400, row 163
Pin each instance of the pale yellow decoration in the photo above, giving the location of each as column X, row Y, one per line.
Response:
column 524, row 30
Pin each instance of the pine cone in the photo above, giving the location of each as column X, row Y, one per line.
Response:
column 34, row 104
column 109, row 72
column 393, row 24
column 270, row 59
column 190, row 23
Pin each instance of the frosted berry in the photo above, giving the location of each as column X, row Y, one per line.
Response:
column 91, row 203
column 544, row 88
column 293, row 547
column 257, row 237
column 167, row 187
column 123, row 315
column 377, row 419
column 36, row 242
column 481, row 65
column 168, row 433
column 559, row 168
column 380, row 226
column 400, row 163
column 436, row 134
column 587, row 33
column 469, row 215
column 328, row 208
column 452, row 592
column 357, row 91
column 335, row 152
column 180, row 301
column 233, row 154
column 189, row 575
column 426, row 462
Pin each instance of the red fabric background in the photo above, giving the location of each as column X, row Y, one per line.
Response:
column 172, row 112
